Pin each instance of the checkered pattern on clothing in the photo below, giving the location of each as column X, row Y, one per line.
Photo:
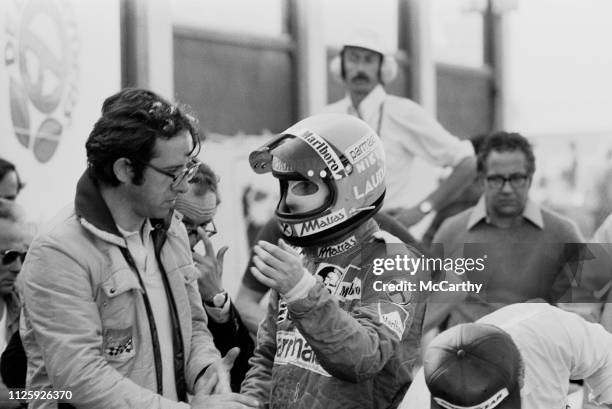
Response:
column 116, row 350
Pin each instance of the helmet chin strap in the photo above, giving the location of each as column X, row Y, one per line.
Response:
column 340, row 230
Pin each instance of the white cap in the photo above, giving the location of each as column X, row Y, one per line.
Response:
column 368, row 39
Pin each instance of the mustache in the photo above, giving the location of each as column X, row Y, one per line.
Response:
column 361, row 76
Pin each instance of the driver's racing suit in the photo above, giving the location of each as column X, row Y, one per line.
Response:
column 349, row 343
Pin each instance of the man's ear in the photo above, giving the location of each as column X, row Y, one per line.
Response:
column 123, row 170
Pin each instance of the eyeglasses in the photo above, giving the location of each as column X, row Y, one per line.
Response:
column 209, row 228
column 9, row 256
column 517, row 180
column 187, row 173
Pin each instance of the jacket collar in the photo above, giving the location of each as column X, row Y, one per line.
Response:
column 95, row 216
column 532, row 213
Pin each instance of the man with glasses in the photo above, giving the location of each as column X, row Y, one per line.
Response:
column 198, row 207
column 111, row 305
column 13, row 245
column 527, row 251
column 184, row 173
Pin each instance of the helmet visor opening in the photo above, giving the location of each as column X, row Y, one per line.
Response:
column 302, row 197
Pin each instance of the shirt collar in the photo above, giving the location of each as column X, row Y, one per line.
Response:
column 370, row 103
column 142, row 235
column 532, row 212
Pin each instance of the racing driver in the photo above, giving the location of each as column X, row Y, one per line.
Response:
column 329, row 340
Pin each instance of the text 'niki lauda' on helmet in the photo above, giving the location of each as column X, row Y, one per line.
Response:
column 344, row 153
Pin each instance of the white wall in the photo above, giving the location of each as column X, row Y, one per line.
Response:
column 73, row 62
column 340, row 18
column 560, row 67
column 263, row 17
column 457, row 29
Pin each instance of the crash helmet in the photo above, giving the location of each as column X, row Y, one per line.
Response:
column 368, row 40
column 339, row 150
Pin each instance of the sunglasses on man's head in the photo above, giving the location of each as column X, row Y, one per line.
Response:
column 9, row 256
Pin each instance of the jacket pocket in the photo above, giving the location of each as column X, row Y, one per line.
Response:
column 116, row 299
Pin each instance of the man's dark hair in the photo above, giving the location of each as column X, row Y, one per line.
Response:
column 131, row 122
column 7, row 167
column 205, row 180
column 505, row 142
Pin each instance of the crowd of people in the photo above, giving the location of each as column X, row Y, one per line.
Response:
column 119, row 301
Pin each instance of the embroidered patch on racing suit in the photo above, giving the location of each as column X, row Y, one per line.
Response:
column 392, row 319
column 293, row 349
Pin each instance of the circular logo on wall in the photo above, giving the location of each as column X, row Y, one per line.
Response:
column 41, row 58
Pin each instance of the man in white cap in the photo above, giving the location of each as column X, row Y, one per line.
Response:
column 521, row 356
column 407, row 131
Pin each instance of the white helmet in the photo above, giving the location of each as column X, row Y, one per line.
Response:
column 369, row 40
column 343, row 152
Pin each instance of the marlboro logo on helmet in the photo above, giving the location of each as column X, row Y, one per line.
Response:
column 325, row 151
column 310, row 160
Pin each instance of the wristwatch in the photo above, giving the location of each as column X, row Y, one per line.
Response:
column 425, row 207
column 218, row 300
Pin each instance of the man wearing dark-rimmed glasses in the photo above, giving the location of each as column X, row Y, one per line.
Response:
column 13, row 247
column 185, row 173
column 14, row 241
column 516, row 248
column 111, row 302
column 198, row 208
